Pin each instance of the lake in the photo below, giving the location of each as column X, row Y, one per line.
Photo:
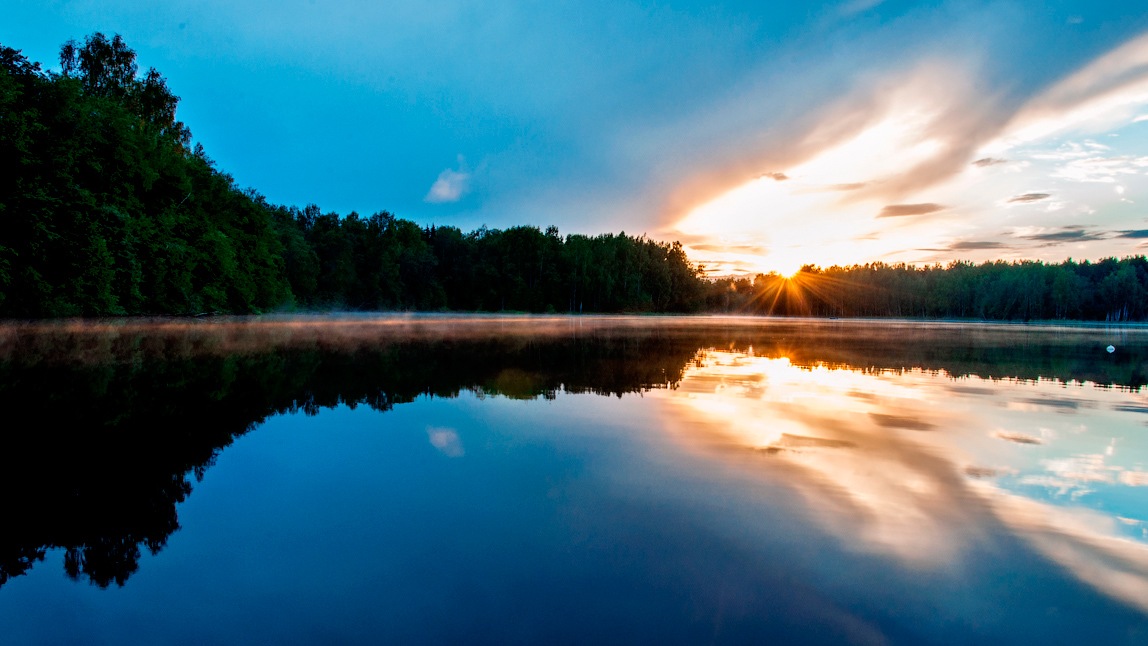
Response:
column 442, row 479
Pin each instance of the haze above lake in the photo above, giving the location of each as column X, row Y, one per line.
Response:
column 501, row 479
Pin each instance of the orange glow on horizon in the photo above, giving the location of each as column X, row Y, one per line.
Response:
column 909, row 175
column 825, row 209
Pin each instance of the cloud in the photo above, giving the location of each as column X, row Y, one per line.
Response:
column 938, row 520
column 1018, row 438
column 750, row 249
column 879, row 145
column 1057, row 402
column 1028, row 198
column 972, row 245
column 1069, row 150
column 1103, row 94
column 446, row 441
column 781, row 177
column 1073, row 233
column 1134, row 233
column 1130, row 408
column 885, row 142
column 1134, row 478
column 1101, row 169
column 899, row 210
column 901, row 421
column 450, row 186
column 858, row 6
column 832, row 188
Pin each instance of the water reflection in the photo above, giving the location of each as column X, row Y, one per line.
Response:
column 924, row 466
column 928, row 444
column 120, row 419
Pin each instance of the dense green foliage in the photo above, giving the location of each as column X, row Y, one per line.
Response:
column 107, row 210
column 1108, row 290
column 383, row 262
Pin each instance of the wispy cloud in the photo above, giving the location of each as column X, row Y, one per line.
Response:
column 446, row 440
column 746, row 249
column 971, row 245
column 858, row 6
column 900, row 210
column 1101, row 169
column 451, row 185
column 906, row 145
column 1106, row 91
column 1028, row 198
column 1018, row 438
column 831, row 188
column 1075, row 233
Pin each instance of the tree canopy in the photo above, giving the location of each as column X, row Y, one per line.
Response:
column 1107, row 290
column 107, row 209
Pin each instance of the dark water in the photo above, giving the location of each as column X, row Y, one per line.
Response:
column 593, row 480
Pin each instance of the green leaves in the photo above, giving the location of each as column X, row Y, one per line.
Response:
column 99, row 217
column 109, row 212
column 1108, row 290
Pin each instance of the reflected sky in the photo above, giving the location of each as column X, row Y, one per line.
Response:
column 913, row 462
column 554, row 480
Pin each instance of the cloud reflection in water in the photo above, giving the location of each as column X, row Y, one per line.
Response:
column 925, row 467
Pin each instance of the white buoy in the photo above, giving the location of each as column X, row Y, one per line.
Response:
column 1111, row 349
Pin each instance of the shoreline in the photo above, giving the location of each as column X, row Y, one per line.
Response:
column 414, row 317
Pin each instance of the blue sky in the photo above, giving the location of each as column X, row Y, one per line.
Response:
column 667, row 118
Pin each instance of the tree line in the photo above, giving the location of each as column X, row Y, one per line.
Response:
column 1108, row 290
column 109, row 210
column 384, row 262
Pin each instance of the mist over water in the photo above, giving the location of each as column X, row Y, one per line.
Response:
column 445, row 479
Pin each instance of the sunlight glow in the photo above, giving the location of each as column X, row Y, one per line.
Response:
column 927, row 149
column 850, row 444
column 822, row 212
column 787, row 267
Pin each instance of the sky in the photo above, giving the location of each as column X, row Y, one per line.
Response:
column 763, row 136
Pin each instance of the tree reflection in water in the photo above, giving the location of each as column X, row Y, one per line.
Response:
column 120, row 418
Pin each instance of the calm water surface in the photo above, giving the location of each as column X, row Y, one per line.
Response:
column 620, row 480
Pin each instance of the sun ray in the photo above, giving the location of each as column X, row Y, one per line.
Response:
column 809, row 292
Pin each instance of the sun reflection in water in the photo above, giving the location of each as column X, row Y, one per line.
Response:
column 925, row 467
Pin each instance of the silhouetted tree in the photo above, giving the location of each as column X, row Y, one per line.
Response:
column 1108, row 290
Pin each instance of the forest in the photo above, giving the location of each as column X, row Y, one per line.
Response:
column 1108, row 290
column 109, row 210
